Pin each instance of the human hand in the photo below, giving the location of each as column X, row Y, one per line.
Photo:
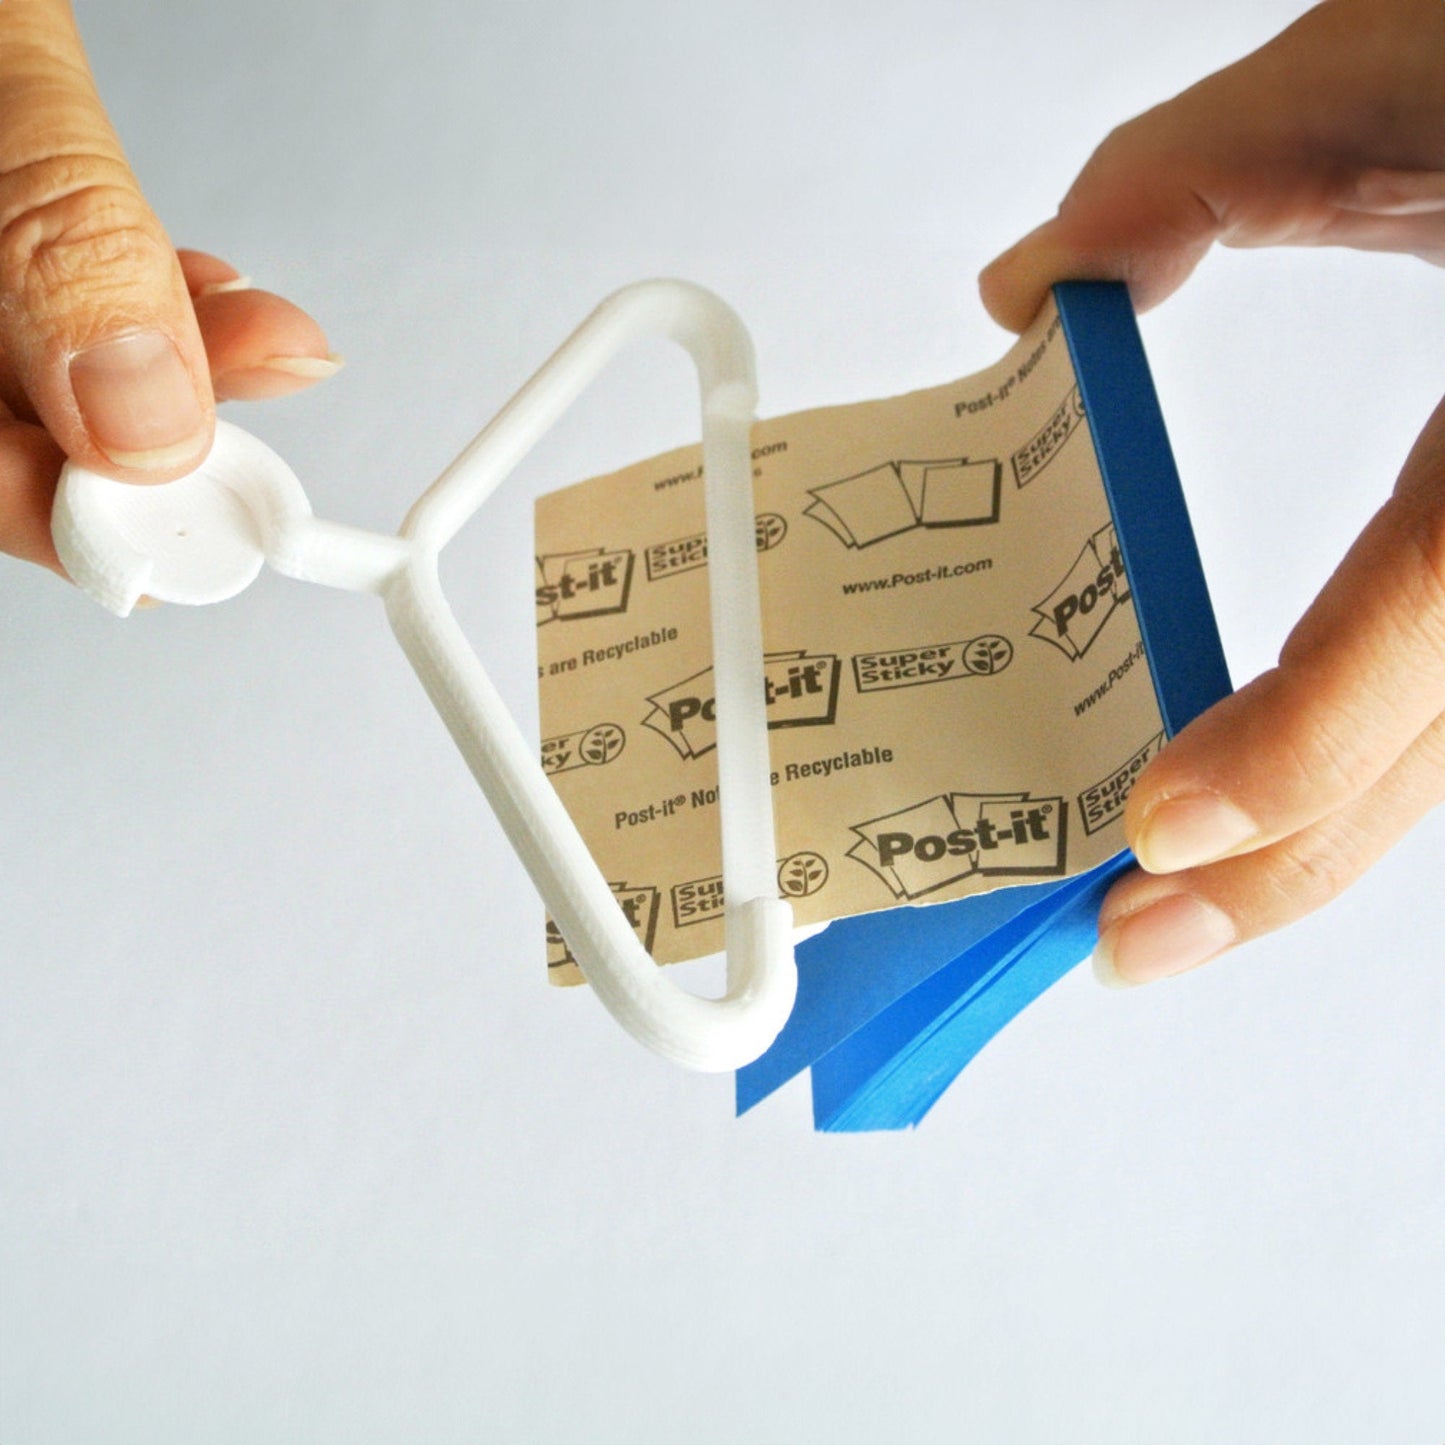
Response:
column 1276, row 799
column 113, row 346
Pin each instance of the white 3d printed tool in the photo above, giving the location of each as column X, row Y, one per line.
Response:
column 205, row 537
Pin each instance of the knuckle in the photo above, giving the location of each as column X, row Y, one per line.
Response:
column 75, row 224
column 1330, row 754
column 1312, row 869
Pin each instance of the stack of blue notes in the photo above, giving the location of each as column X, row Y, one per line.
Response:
column 892, row 1005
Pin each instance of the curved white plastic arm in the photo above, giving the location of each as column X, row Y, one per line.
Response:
column 205, row 537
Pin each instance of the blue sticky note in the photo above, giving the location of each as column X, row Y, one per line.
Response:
column 890, row 1072
column 860, row 966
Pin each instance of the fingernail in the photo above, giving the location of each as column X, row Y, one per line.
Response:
column 1168, row 937
column 314, row 368
column 215, row 288
column 138, row 401
column 1102, row 963
column 1186, row 832
column 1398, row 193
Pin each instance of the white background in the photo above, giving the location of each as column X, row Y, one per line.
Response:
column 298, row 1146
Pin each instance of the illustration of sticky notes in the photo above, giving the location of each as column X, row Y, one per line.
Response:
column 961, row 494
column 820, row 511
column 871, row 505
column 911, row 474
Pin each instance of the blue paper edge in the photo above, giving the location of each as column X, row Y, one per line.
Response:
column 1141, row 481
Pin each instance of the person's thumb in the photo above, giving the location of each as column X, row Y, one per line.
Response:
column 97, row 331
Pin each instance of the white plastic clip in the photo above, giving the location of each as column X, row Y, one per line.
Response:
column 204, row 538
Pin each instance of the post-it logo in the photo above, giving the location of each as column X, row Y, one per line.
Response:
column 954, row 836
column 1073, row 615
column 799, row 690
column 582, row 584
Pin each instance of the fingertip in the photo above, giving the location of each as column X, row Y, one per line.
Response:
column 1170, row 935
column 1013, row 285
column 108, row 354
column 205, row 273
column 1189, row 831
column 260, row 345
column 30, row 464
column 277, row 376
column 233, row 283
column 1106, row 975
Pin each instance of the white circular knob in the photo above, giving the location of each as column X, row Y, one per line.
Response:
column 202, row 538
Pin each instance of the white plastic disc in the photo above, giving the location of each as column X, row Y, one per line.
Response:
column 200, row 539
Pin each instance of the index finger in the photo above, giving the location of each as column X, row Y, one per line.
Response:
column 1314, row 139
column 1359, row 679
